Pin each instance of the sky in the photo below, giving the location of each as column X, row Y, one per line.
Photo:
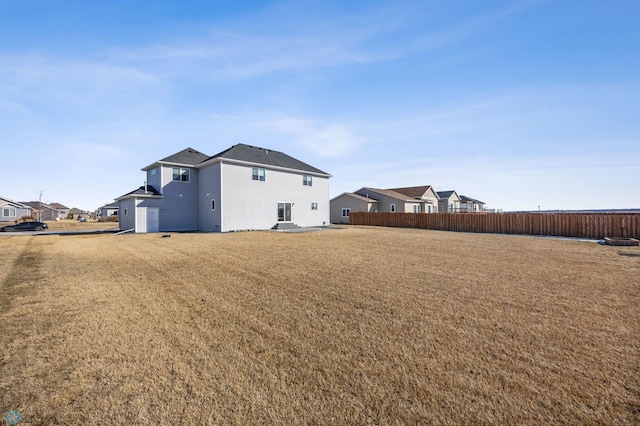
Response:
column 523, row 105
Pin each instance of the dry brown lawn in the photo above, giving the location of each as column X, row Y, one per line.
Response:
column 75, row 225
column 352, row 326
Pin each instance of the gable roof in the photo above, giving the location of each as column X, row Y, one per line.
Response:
column 141, row 192
column 37, row 205
column 188, row 156
column 58, row 206
column 388, row 192
column 357, row 196
column 414, row 191
column 15, row 203
column 113, row 205
column 469, row 200
column 263, row 156
column 445, row 194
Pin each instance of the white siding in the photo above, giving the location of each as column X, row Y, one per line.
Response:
column 250, row 204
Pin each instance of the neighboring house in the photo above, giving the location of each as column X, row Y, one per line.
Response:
column 64, row 210
column 414, row 199
column 10, row 211
column 78, row 214
column 424, row 193
column 342, row 205
column 41, row 211
column 241, row 188
column 449, row 202
column 470, row 205
column 108, row 210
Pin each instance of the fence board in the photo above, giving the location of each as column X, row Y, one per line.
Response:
column 578, row 225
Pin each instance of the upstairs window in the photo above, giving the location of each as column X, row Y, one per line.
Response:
column 180, row 174
column 307, row 180
column 258, row 174
column 154, row 171
column 314, row 206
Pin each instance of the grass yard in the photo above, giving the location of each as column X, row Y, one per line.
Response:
column 353, row 326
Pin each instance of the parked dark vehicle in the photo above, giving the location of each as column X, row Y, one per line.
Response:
column 25, row 226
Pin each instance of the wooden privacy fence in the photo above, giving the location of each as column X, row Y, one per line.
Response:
column 578, row 225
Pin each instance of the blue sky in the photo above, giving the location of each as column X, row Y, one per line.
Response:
column 517, row 103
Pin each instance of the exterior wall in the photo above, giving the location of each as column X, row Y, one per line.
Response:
column 409, row 207
column 19, row 212
column 384, row 202
column 210, row 183
column 250, row 204
column 126, row 219
column 156, row 180
column 179, row 207
column 346, row 201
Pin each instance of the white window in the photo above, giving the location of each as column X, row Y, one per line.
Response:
column 314, row 206
column 213, row 204
column 180, row 174
column 307, row 180
column 346, row 212
column 258, row 174
column 8, row 212
column 393, row 208
column 418, row 208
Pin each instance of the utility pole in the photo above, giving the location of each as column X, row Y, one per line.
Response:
column 40, row 206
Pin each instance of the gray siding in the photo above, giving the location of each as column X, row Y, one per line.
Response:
column 179, row 207
column 346, row 201
column 210, row 189
column 126, row 217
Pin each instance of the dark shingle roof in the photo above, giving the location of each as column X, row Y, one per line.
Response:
column 188, row 156
column 445, row 194
column 470, row 200
column 141, row 191
column 267, row 157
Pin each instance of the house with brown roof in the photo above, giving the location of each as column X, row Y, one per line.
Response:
column 415, row 199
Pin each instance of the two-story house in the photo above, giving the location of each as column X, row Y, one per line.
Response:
column 241, row 188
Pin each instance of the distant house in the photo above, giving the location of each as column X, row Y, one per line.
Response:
column 412, row 199
column 470, row 205
column 64, row 210
column 449, row 202
column 77, row 213
column 419, row 199
column 425, row 194
column 241, row 188
column 41, row 211
column 10, row 211
column 342, row 205
column 108, row 210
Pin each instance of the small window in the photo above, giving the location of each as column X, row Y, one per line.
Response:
column 393, row 208
column 258, row 174
column 418, row 209
column 429, row 209
column 180, row 174
column 307, row 180
column 126, row 212
column 213, row 204
column 346, row 212
column 314, row 206
column 153, row 171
